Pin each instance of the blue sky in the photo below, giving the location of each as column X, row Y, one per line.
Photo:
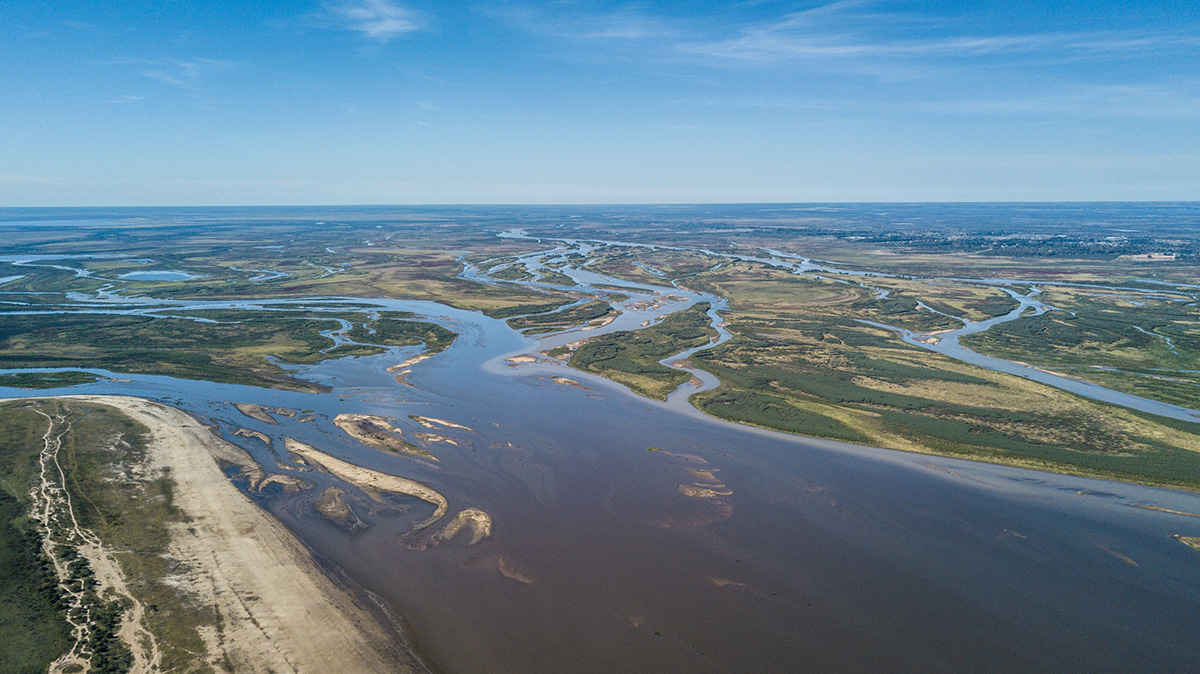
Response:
column 410, row 101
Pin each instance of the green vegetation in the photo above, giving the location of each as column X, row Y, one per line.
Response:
column 1151, row 349
column 799, row 359
column 39, row 380
column 631, row 357
column 555, row 277
column 128, row 510
column 32, row 615
column 524, row 309
column 515, row 272
column 395, row 332
column 565, row 318
column 833, row 377
column 236, row 351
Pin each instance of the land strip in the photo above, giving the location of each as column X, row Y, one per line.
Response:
column 264, row 605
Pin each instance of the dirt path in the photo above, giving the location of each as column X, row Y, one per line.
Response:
column 278, row 611
column 55, row 511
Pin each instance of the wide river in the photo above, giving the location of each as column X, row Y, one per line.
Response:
column 727, row 548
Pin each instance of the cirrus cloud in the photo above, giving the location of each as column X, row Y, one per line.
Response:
column 377, row 19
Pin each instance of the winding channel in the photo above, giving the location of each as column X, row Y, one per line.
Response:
column 636, row 535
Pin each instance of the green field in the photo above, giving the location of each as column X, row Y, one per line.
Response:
column 631, row 357
column 234, row 351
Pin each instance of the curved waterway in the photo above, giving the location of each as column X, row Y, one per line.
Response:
column 634, row 535
column 944, row 342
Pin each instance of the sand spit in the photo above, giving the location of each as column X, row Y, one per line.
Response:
column 247, row 433
column 289, row 483
column 377, row 432
column 567, row 381
column 433, row 423
column 263, row 412
column 702, row 491
column 371, row 481
column 429, row 438
column 474, row 520
column 1165, row 510
column 409, row 362
column 256, row 412
column 519, row 360
column 1190, row 541
column 403, row 369
column 279, row 612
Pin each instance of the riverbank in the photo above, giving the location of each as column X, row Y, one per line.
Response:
column 276, row 610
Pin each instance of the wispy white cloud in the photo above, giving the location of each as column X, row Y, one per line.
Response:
column 627, row 24
column 860, row 35
column 789, row 40
column 379, row 20
column 183, row 73
column 851, row 30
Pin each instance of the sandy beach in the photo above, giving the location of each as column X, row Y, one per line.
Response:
column 279, row 612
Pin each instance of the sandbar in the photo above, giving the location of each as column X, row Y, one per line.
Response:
column 377, row 432
column 371, row 481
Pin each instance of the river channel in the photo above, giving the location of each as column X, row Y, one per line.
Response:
column 637, row 536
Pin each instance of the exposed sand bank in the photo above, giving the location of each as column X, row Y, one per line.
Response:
column 409, row 362
column 247, row 433
column 279, row 611
column 263, row 413
column 371, row 481
column 431, row 422
column 402, row 370
column 377, row 432
column 474, row 520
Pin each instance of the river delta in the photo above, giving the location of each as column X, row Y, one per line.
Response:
column 607, row 531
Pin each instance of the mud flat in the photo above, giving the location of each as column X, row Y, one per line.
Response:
column 371, row 481
column 279, row 611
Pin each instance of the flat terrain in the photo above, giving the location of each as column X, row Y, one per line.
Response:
column 801, row 358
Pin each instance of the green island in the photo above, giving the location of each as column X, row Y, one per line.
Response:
column 631, row 358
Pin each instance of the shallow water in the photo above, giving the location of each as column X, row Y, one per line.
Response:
column 158, row 276
column 804, row 555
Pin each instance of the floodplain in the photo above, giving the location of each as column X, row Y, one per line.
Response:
column 508, row 368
